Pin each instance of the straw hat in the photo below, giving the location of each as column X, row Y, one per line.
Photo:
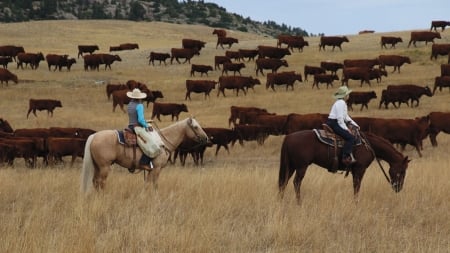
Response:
column 136, row 94
column 342, row 92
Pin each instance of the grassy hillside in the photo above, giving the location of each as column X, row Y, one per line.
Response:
column 229, row 204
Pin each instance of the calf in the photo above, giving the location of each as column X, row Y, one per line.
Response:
column 203, row 69
column 360, row 97
column 377, row 74
column 168, row 109
column 43, row 104
column 4, row 60
column 441, row 82
column 226, row 41
column 199, row 86
column 324, row 78
column 286, row 77
column 312, row 70
column 235, row 67
column 272, row 64
column 161, row 57
column 390, row 40
column 6, row 76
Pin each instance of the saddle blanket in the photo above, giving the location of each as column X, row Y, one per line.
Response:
column 328, row 138
column 124, row 137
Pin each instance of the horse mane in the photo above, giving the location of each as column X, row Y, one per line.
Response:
column 382, row 140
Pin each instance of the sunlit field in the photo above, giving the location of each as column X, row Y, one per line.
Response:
column 230, row 203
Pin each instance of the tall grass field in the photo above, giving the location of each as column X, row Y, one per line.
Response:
column 230, row 203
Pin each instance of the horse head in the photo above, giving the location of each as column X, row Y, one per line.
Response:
column 196, row 131
column 397, row 173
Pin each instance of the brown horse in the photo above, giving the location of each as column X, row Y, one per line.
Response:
column 103, row 149
column 302, row 148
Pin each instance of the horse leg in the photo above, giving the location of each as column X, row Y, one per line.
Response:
column 300, row 173
column 100, row 176
column 153, row 176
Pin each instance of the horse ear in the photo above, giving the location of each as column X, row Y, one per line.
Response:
column 192, row 116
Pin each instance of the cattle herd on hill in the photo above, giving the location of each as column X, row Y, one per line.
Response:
column 248, row 123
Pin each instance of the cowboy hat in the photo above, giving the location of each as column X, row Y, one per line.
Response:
column 342, row 92
column 136, row 94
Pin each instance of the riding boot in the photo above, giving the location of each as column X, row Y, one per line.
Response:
column 353, row 160
column 146, row 162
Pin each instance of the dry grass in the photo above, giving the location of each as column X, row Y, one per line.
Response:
column 230, row 203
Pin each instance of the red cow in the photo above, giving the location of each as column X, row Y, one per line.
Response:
column 274, row 123
column 270, row 63
column 390, row 40
column 184, row 53
column 439, row 121
column 193, row 44
column 234, row 55
column 226, row 41
column 168, row 109
column 203, row 69
column 285, row 38
column 363, row 63
column 221, row 137
column 236, row 83
column 272, row 52
column 360, row 97
column 297, row 44
column 108, row 59
column 235, row 67
column 32, row 58
column 324, row 78
column 188, row 146
column 63, row 146
column 414, row 91
column 114, row 48
column 128, row 46
column 423, row 36
column 356, row 73
column 312, row 70
column 120, row 98
column 393, row 96
column 161, row 57
column 393, row 60
column 297, row 122
column 110, row 88
column 377, row 74
column 333, row 67
column 199, row 86
column 220, row 33
column 11, row 51
column 445, row 69
column 248, row 53
column 286, row 77
column 43, row 104
column 439, row 23
column 439, row 49
column 441, row 82
column 220, row 60
column 251, row 132
column 4, row 60
column 86, row 49
column 55, row 60
column 334, row 41
column 237, row 111
column 6, row 76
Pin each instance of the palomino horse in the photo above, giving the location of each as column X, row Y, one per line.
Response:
column 302, row 148
column 103, row 149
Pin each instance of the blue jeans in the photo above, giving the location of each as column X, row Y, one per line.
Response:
column 348, row 137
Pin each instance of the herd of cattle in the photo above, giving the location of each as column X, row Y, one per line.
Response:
column 249, row 123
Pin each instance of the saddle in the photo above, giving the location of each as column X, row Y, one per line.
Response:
column 128, row 138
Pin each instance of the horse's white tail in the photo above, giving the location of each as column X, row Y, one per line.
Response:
column 87, row 172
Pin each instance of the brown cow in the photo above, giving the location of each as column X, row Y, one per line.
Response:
column 272, row 52
column 220, row 33
column 377, row 74
column 324, row 78
column 297, row 122
column 70, row 132
column 4, row 60
column 193, row 44
column 128, row 46
column 184, row 53
column 390, row 40
column 439, row 121
column 393, row 60
column 91, row 62
column 285, row 38
column 286, row 77
column 445, row 69
column 221, row 137
column 312, row 70
column 86, row 49
column 441, row 82
column 55, row 60
column 6, row 76
column 360, row 97
column 168, row 109
column 439, row 49
column 161, row 57
column 393, row 96
column 423, row 36
column 270, row 63
column 11, row 51
column 203, row 69
column 439, row 23
column 220, row 60
column 363, row 63
column 356, row 73
column 251, row 132
column 236, row 83
column 67, row 63
column 233, row 55
column 297, row 44
column 5, row 126
column 199, row 86
column 274, row 123
column 32, row 58
column 334, row 41
column 43, row 104
column 237, row 111
column 192, row 147
column 94, row 61
column 108, row 59
column 226, row 41
column 26, row 148
column 235, row 67
column 155, row 94
column 110, row 88
column 248, row 53
column 333, row 67
column 414, row 91
column 114, row 48
column 64, row 146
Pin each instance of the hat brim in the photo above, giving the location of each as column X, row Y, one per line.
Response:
column 338, row 96
column 141, row 96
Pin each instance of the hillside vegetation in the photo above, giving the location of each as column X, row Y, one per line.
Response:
column 230, row 203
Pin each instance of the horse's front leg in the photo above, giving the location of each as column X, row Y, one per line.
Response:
column 152, row 177
column 299, row 174
column 357, row 178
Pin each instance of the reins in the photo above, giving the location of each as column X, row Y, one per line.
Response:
column 367, row 144
column 171, row 144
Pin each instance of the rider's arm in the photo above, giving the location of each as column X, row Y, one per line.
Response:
column 140, row 115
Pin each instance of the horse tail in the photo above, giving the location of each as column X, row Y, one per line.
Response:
column 87, row 172
column 283, row 175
